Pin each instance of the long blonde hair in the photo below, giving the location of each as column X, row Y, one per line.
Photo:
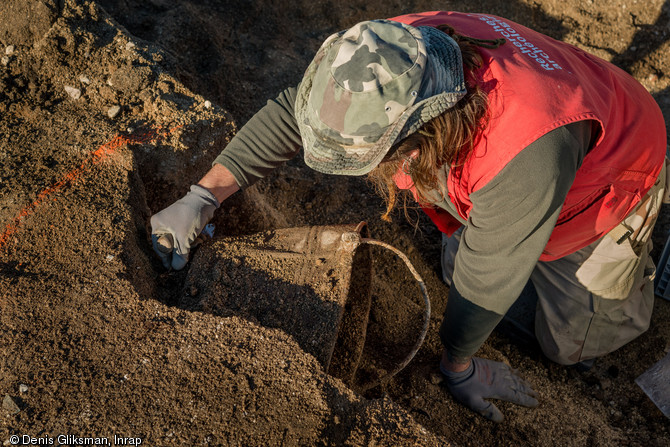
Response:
column 448, row 138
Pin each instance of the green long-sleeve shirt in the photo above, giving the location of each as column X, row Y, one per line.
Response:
column 507, row 229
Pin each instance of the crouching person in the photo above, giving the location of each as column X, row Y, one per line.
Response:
column 548, row 161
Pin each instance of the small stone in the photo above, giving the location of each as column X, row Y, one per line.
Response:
column 130, row 46
column 113, row 111
column 208, row 104
column 109, row 258
column 23, row 388
column 436, row 379
column 9, row 50
column 109, row 82
column 74, row 93
column 84, row 79
column 336, row 419
column 9, row 405
column 4, row 60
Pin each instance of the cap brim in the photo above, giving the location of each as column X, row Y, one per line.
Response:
column 325, row 156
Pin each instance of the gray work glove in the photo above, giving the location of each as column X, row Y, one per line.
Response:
column 486, row 379
column 182, row 222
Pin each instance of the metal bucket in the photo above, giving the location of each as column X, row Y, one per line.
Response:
column 311, row 282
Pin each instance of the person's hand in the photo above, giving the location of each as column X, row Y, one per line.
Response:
column 181, row 223
column 486, row 379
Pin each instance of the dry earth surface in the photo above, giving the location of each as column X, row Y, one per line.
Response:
column 110, row 109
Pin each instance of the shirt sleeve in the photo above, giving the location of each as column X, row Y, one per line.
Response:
column 269, row 139
column 508, row 227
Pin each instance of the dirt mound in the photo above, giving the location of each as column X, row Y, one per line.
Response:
column 312, row 283
column 101, row 128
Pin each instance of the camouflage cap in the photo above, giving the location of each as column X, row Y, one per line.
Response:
column 371, row 86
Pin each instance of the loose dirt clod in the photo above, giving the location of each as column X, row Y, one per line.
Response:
column 9, row 405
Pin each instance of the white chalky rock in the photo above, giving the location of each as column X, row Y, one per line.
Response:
column 74, row 93
column 113, row 111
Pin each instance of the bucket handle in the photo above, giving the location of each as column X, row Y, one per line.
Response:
column 426, row 313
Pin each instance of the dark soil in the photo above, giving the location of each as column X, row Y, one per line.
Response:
column 97, row 339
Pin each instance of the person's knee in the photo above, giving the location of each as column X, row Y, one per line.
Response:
column 561, row 356
column 556, row 348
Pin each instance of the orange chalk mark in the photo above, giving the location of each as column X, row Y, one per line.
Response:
column 97, row 156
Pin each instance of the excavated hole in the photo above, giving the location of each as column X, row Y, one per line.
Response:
column 372, row 338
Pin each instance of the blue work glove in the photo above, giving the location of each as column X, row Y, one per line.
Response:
column 174, row 229
column 486, row 379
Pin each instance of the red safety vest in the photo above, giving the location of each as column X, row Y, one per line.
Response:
column 536, row 84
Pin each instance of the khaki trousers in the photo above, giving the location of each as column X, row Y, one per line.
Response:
column 599, row 298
